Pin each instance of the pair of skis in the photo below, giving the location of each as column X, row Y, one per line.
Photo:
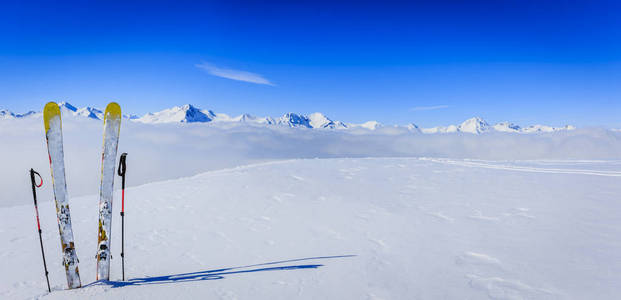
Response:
column 54, row 138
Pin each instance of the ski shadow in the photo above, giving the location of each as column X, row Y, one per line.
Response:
column 218, row 273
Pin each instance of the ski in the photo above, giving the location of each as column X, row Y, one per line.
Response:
column 54, row 138
column 112, row 127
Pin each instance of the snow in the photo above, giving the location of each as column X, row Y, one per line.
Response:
column 247, row 118
column 474, row 125
column 274, row 212
column 370, row 125
column 477, row 125
column 343, row 228
column 172, row 150
column 191, row 114
column 544, row 128
column 185, row 114
column 90, row 112
column 319, row 120
column 294, row 120
column 6, row 114
column 441, row 129
column 506, row 127
column 68, row 110
column 414, row 128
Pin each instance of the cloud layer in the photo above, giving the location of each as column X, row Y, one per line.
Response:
column 168, row 151
column 234, row 74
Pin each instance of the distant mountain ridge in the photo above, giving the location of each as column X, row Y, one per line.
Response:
column 6, row 114
column 191, row 114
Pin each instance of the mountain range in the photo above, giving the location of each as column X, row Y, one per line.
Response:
column 191, row 114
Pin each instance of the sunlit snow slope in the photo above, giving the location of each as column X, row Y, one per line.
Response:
column 344, row 229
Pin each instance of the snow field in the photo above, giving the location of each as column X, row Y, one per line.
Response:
column 400, row 228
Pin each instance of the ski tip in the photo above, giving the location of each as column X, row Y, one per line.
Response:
column 50, row 110
column 113, row 110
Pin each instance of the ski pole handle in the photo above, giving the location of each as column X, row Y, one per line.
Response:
column 122, row 168
column 121, row 172
column 34, row 192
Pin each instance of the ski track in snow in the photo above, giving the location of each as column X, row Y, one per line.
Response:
column 498, row 166
column 369, row 228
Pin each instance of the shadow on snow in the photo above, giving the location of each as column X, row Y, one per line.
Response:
column 217, row 273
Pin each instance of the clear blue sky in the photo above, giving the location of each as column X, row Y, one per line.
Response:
column 431, row 63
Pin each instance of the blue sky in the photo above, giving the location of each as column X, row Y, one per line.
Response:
column 431, row 63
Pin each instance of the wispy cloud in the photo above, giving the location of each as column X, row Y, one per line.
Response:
column 233, row 74
column 423, row 108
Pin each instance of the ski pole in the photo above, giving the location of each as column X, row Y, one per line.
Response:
column 34, row 195
column 121, row 172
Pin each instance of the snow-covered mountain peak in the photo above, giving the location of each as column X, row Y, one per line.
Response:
column 185, row 108
column 89, row 112
column 441, row 129
column 319, row 120
column 506, row 127
column 371, row 125
column 244, row 118
column 544, row 128
column 414, row 128
column 6, row 114
column 185, row 114
column 294, row 120
column 248, row 118
column 474, row 125
column 67, row 107
column 189, row 113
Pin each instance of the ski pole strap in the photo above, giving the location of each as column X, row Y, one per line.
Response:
column 122, row 165
column 32, row 174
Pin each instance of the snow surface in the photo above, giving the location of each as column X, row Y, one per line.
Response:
column 382, row 228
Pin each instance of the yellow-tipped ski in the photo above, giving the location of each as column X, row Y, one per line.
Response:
column 112, row 128
column 54, row 139
column 113, row 111
column 50, row 111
